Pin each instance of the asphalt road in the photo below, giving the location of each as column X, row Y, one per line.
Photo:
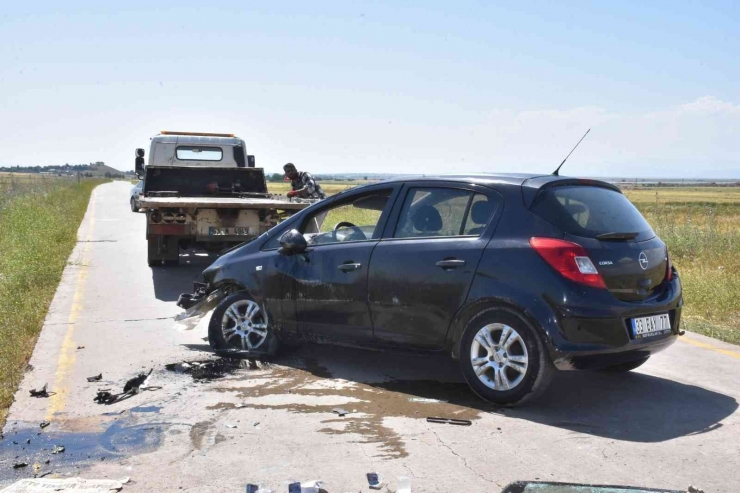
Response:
column 673, row 423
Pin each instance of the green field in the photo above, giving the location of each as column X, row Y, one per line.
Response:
column 39, row 217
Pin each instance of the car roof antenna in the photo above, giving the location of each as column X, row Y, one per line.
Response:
column 555, row 173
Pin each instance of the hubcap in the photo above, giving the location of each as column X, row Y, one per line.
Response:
column 499, row 357
column 244, row 325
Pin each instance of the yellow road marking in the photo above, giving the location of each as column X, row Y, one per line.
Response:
column 67, row 354
column 704, row 345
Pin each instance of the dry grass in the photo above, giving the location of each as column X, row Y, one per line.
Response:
column 688, row 195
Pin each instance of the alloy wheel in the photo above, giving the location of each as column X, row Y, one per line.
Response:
column 499, row 357
column 244, row 325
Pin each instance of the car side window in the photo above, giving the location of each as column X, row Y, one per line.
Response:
column 435, row 212
column 354, row 219
column 481, row 211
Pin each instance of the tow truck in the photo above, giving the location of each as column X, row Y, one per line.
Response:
column 203, row 191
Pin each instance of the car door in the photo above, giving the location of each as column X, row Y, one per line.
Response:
column 328, row 282
column 421, row 271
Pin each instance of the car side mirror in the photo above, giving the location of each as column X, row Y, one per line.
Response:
column 292, row 242
column 139, row 163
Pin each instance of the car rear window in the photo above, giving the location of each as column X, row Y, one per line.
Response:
column 591, row 211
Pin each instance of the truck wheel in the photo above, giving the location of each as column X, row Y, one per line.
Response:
column 240, row 324
column 503, row 358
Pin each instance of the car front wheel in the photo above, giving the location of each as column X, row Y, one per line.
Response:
column 240, row 324
column 503, row 359
column 134, row 207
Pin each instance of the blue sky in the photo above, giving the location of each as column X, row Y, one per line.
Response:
column 417, row 87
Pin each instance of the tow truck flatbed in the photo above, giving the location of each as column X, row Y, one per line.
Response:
column 224, row 203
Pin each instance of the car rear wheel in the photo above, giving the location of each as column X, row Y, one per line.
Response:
column 240, row 324
column 624, row 367
column 503, row 359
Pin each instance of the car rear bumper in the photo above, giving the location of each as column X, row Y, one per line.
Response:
column 599, row 335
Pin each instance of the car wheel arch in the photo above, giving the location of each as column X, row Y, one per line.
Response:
column 471, row 310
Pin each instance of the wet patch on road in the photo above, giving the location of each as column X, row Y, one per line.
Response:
column 307, row 387
column 56, row 451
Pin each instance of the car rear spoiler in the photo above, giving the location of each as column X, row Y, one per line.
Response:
column 532, row 187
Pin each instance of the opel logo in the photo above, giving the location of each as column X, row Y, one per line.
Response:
column 643, row 260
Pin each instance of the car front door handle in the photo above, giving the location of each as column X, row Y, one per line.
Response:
column 349, row 266
column 450, row 263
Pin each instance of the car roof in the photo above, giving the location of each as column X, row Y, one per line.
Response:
column 528, row 180
column 529, row 185
column 479, row 178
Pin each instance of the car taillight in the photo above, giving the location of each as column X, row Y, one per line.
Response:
column 570, row 259
column 668, row 267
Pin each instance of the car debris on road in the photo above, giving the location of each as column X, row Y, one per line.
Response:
column 96, row 378
column 44, row 424
column 134, row 384
column 42, row 392
column 340, row 411
column 450, row 421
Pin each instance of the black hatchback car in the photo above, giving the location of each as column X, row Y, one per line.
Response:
column 514, row 275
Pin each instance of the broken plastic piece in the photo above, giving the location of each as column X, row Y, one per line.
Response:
column 230, row 425
column 339, row 411
column 257, row 488
column 80, row 347
column 450, row 421
column 18, row 465
column 96, row 378
column 404, row 485
column 134, row 384
column 57, row 449
column 44, row 424
column 374, row 481
column 41, row 392
column 105, row 397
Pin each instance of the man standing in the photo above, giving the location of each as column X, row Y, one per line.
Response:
column 302, row 183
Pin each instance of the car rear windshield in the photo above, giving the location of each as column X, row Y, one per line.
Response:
column 591, row 211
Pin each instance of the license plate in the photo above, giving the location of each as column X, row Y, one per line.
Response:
column 228, row 231
column 651, row 326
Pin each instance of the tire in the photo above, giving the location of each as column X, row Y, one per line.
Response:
column 527, row 376
column 154, row 262
column 625, row 367
column 225, row 336
column 133, row 205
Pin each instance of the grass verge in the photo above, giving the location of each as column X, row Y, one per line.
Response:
column 38, row 231
column 704, row 243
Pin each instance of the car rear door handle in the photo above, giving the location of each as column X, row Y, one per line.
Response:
column 349, row 266
column 450, row 263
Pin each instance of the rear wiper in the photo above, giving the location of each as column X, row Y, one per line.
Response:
column 617, row 236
